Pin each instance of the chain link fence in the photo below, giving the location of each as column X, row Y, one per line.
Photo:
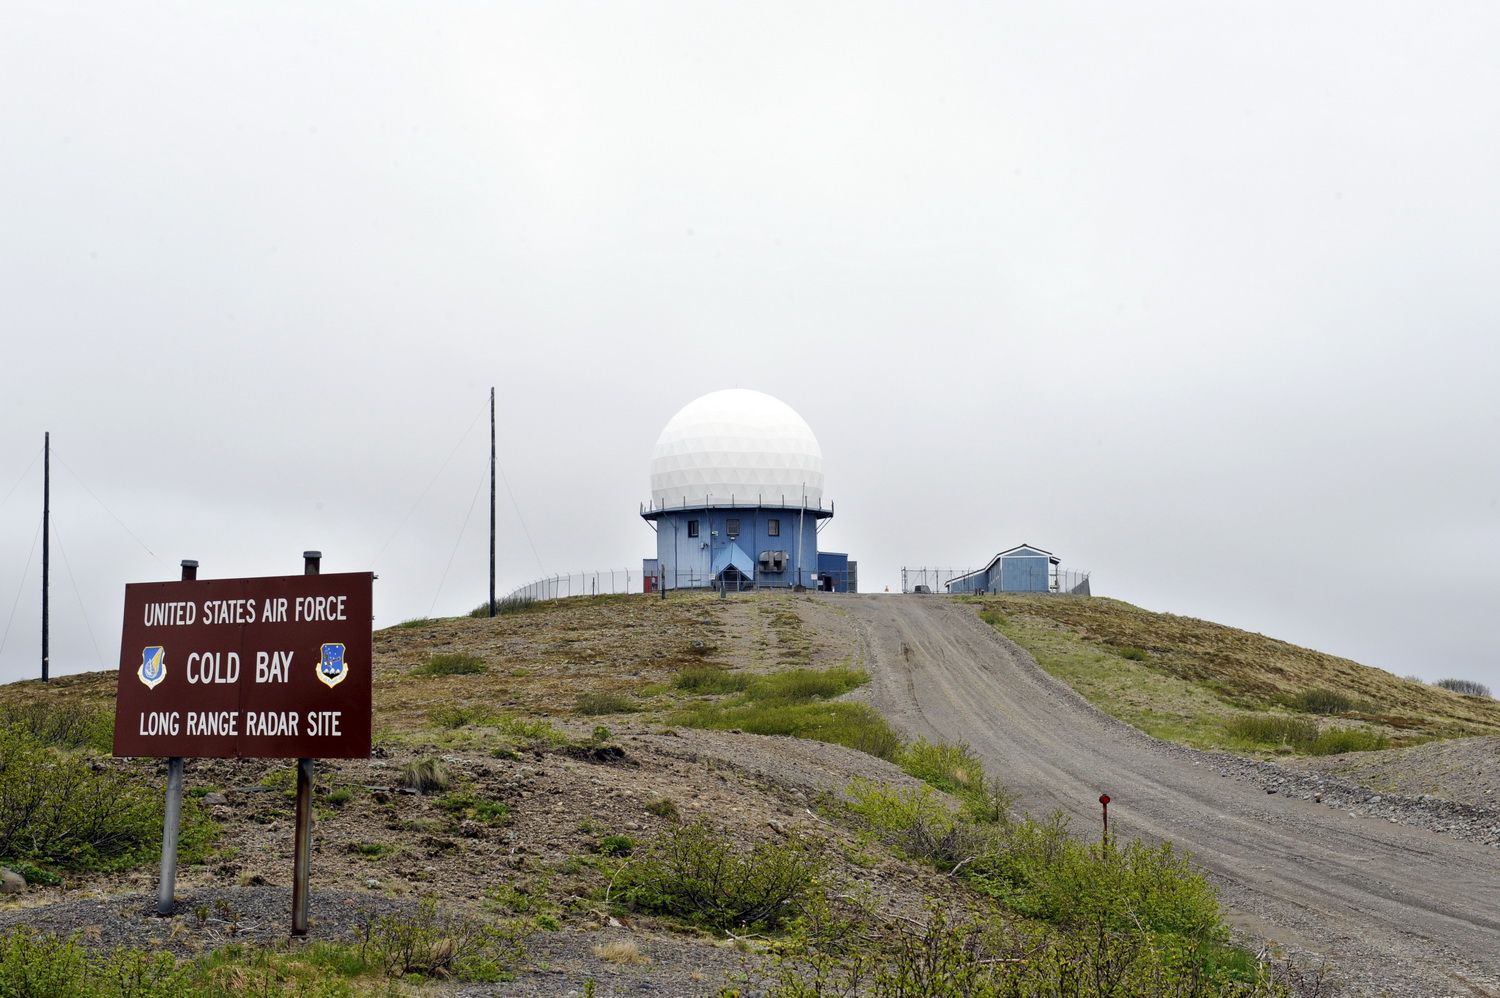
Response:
column 631, row 580
column 935, row 580
column 609, row 580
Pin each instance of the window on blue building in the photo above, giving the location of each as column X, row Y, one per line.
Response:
column 692, row 528
column 773, row 528
column 732, row 528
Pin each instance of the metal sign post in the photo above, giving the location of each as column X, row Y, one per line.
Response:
column 1104, row 805
column 302, row 836
column 171, row 824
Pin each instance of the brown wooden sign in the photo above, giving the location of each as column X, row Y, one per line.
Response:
column 252, row 668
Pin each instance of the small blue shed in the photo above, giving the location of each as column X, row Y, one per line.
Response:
column 1022, row 569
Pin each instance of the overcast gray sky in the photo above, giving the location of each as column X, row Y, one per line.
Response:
column 1201, row 297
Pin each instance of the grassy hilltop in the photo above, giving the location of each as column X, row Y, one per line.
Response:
column 1210, row 686
column 577, row 767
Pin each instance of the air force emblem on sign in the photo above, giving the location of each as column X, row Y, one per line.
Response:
column 331, row 667
column 153, row 666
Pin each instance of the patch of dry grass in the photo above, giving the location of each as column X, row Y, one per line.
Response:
column 620, row 951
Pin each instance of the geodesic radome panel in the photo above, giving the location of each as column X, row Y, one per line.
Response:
column 736, row 445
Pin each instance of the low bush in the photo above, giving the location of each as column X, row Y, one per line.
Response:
column 1467, row 686
column 1132, row 654
column 949, row 957
column 62, row 725
column 1323, row 702
column 430, row 943
column 452, row 664
column 1336, row 740
column 695, row 873
column 58, row 809
column 953, row 769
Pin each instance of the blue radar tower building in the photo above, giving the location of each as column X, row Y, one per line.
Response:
column 737, row 500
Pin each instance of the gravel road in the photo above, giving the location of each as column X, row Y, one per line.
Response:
column 1399, row 910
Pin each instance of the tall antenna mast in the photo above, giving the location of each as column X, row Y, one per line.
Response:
column 492, row 500
column 46, row 538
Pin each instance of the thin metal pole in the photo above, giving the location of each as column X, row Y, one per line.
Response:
column 166, row 892
column 302, row 834
column 303, row 849
column 171, row 823
column 492, row 500
column 46, row 542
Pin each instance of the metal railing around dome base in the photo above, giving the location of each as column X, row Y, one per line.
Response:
column 653, row 508
column 935, row 580
column 630, row 580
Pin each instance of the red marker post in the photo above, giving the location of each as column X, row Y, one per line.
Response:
column 1104, row 805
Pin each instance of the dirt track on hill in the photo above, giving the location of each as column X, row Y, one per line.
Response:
column 1399, row 910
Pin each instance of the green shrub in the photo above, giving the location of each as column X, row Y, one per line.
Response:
column 978, row 957
column 56, row 808
column 696, row 873
column 426, row 775
column 47, row 965
column 62, row 725
column 1336, row 740
column 1132, row 654
column 596, row 704
column 616, row 845
column 34, row 875
column 917, row 822
column 452, row 664
column 416, row 622
column 1466, row 686
column 1121, row 888
column 953, row 769
column 433, row 944
column 1323, row 702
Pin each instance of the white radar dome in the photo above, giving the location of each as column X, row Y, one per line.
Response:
column 736, row 445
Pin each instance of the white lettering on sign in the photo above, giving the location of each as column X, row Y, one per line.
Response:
column 212, row 667
column 323, row 722
column 275, row 610
column 213, row 722
column 170, row 614
column 319, row 608
column 271, row 723
column 159, row 722
column 229, row 611
column 272, row 667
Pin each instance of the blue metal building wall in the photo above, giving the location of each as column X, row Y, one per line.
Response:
column 833, row 566
column 688, row 562
column 1023, row 573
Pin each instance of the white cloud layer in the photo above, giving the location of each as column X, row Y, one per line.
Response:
column 1196, row 296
